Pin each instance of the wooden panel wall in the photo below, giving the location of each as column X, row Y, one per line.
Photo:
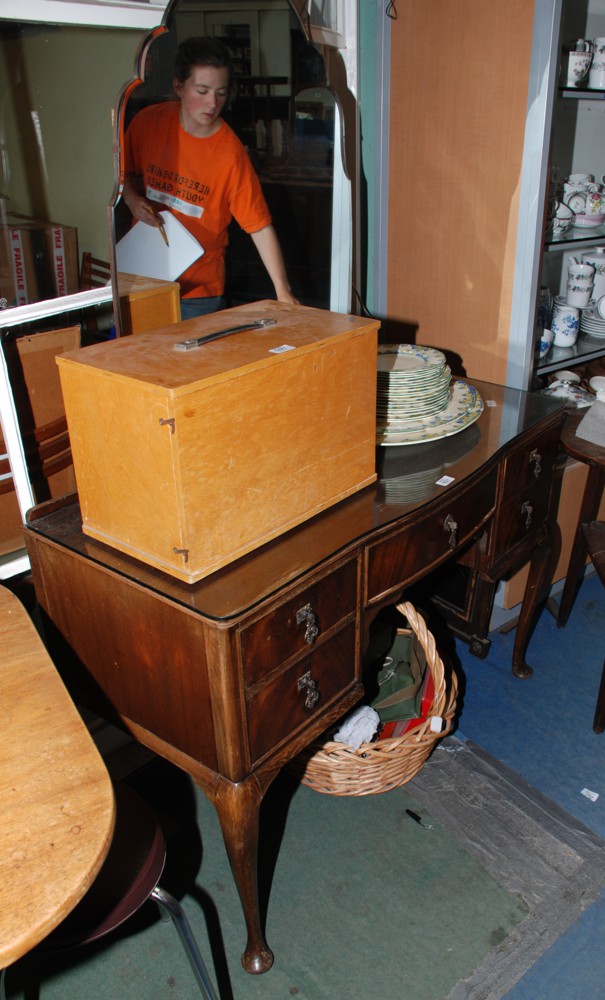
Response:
column 459, row 79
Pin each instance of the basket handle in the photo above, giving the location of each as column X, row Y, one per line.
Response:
column 419, row 628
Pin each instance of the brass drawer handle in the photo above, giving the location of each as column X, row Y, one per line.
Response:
column 307, row 617
column 535, row 459
column 306, row 683
column 527, row 511
column 451, row 526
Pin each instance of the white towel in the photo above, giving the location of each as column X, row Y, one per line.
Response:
column 359, row 727
column 592, row 425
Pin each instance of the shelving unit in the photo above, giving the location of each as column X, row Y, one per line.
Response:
column 574, row 141
column 586, row 348
column 577, row 144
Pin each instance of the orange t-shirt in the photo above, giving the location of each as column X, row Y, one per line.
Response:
column 205, row 181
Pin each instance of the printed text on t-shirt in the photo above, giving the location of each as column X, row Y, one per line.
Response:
column 177, row 191
column 171, row 201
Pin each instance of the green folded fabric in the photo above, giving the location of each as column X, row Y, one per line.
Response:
column 396, row 688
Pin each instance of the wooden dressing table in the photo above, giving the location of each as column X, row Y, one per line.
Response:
column 231, row 677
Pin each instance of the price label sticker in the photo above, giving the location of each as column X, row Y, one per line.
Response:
column 445, row 481
column 280, row 350
column 490, row 402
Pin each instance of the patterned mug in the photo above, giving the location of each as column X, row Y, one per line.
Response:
column 580, row 284
column 565, row 324
column 596, row 75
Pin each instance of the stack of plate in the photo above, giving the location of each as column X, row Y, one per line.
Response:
column 415, row 486
column 416, row 399
column 412, row 381
column 592, row 323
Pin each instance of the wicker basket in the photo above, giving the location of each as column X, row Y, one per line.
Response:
column 336, row 769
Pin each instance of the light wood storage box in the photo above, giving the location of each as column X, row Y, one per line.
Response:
column 188, row 460
column 147, row 303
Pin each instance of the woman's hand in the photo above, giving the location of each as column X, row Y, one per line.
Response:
column 140, row 207
column 267, row 244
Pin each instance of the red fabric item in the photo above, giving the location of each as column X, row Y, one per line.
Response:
column 426, row 700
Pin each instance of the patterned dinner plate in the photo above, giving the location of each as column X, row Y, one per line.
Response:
column 466, row 406
column 402, row 360
column 397, row 390
column 411, row 409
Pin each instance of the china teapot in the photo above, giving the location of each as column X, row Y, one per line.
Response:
column 574, row 396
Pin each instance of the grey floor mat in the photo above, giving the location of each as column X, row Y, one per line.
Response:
column 528, row 845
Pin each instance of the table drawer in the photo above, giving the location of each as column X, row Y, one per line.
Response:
column 285, row 703
column 519, row 516
column 525, row 492
column 399, row 558
column 531, row 464
column 298, row 624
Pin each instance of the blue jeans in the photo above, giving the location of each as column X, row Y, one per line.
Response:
column 190, row 308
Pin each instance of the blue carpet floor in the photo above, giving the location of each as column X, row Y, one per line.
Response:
column 542, row 729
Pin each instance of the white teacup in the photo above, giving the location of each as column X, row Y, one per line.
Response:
column 580, row 284
column 597, row 384
column 577, row 65
column 596, row 257
column 561, row 220
column 575, row 198
column 596, row 75
column 579, row 179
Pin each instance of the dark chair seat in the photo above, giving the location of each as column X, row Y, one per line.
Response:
column 129, row 877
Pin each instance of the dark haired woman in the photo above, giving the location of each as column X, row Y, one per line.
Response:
column 182, row 156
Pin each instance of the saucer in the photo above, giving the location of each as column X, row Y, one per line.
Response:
column 588, row 221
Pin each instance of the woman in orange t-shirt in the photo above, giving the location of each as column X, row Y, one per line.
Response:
column 182, row 156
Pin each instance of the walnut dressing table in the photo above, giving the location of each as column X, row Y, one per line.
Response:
column 231, row 677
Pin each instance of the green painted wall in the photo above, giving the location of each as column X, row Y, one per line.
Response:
column 59, row 85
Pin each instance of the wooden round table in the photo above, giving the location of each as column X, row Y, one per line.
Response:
column 592, row 455
column 57, row 816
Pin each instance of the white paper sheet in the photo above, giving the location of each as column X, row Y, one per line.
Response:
column 143, row 251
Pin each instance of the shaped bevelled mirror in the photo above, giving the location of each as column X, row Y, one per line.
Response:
column 289, row 116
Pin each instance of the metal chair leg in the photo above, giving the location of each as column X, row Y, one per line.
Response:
column 2, row 992
column 173, row 908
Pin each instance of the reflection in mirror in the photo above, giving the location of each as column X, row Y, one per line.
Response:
column 285, row 114
column 58, row 84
